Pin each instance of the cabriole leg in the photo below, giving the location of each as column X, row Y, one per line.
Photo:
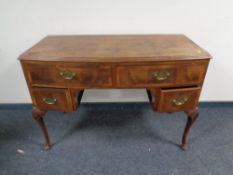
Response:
column 38, row 116
column 192, row 115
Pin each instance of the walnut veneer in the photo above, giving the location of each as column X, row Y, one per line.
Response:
column 170, row 67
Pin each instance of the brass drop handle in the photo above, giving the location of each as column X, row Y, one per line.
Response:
column 67, row 75
column 49, row 100
column 161, row 75
column 180, row 101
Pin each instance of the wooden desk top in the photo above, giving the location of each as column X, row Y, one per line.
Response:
column 115, row 48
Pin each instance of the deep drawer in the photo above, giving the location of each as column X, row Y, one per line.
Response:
column 172, row 100
column 52, row 99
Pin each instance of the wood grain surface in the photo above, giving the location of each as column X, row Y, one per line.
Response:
column 115, row 48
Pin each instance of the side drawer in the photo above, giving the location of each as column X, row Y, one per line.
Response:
column 52, row 99
column 68, row 74
column 172, row 100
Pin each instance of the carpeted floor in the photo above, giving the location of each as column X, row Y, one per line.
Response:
column 121, row 139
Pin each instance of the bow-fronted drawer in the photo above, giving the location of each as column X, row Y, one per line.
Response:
column 161, row 74
column 53, row 74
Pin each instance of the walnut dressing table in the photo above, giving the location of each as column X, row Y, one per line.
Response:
column 171, row 68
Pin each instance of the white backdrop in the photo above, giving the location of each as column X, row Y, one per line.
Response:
column 208, row 22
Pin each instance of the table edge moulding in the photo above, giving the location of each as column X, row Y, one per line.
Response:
column 59, row 68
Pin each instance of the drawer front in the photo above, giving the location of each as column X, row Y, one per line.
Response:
column 142, row 76
column 192, row 73
column 52, row 99
column 162, row 74
column 86, row 75
column 68, row 74
column 172, row 100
